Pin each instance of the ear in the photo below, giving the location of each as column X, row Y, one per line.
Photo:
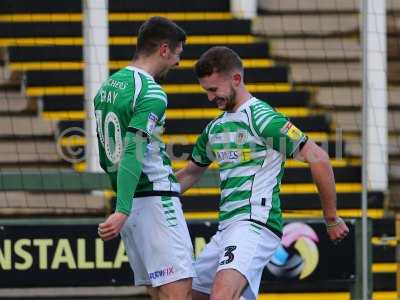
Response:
column 163, row 50
column 237, row 79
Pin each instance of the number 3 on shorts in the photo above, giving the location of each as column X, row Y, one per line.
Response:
column 228, row 253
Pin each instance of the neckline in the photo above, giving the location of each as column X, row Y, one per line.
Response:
column 243, row 106
column 133, row 68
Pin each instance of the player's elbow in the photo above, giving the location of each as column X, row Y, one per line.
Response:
column 322, row 155
column 181, row 174
column 316, row 155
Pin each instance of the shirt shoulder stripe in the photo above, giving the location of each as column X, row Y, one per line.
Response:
column 156, row 96
column 138, row 88
column 267, row 122
column 158, row 91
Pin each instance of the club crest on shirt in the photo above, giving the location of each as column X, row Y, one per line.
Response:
column 291, row 131
column 241, row 137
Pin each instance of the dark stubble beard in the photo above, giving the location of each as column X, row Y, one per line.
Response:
column 230, row 103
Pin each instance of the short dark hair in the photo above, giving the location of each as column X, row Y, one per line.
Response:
column 218, row 59
column 157, row 30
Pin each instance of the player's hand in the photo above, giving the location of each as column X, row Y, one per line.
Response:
column 111, row 227
column 337, row 230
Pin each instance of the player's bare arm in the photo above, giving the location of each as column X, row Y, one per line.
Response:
column 189, row 175
column 323, row 177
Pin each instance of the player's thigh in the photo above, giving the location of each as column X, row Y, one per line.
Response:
column 228, row 284
column 177, row 290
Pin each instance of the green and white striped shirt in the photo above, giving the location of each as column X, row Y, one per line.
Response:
column 251, row 146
